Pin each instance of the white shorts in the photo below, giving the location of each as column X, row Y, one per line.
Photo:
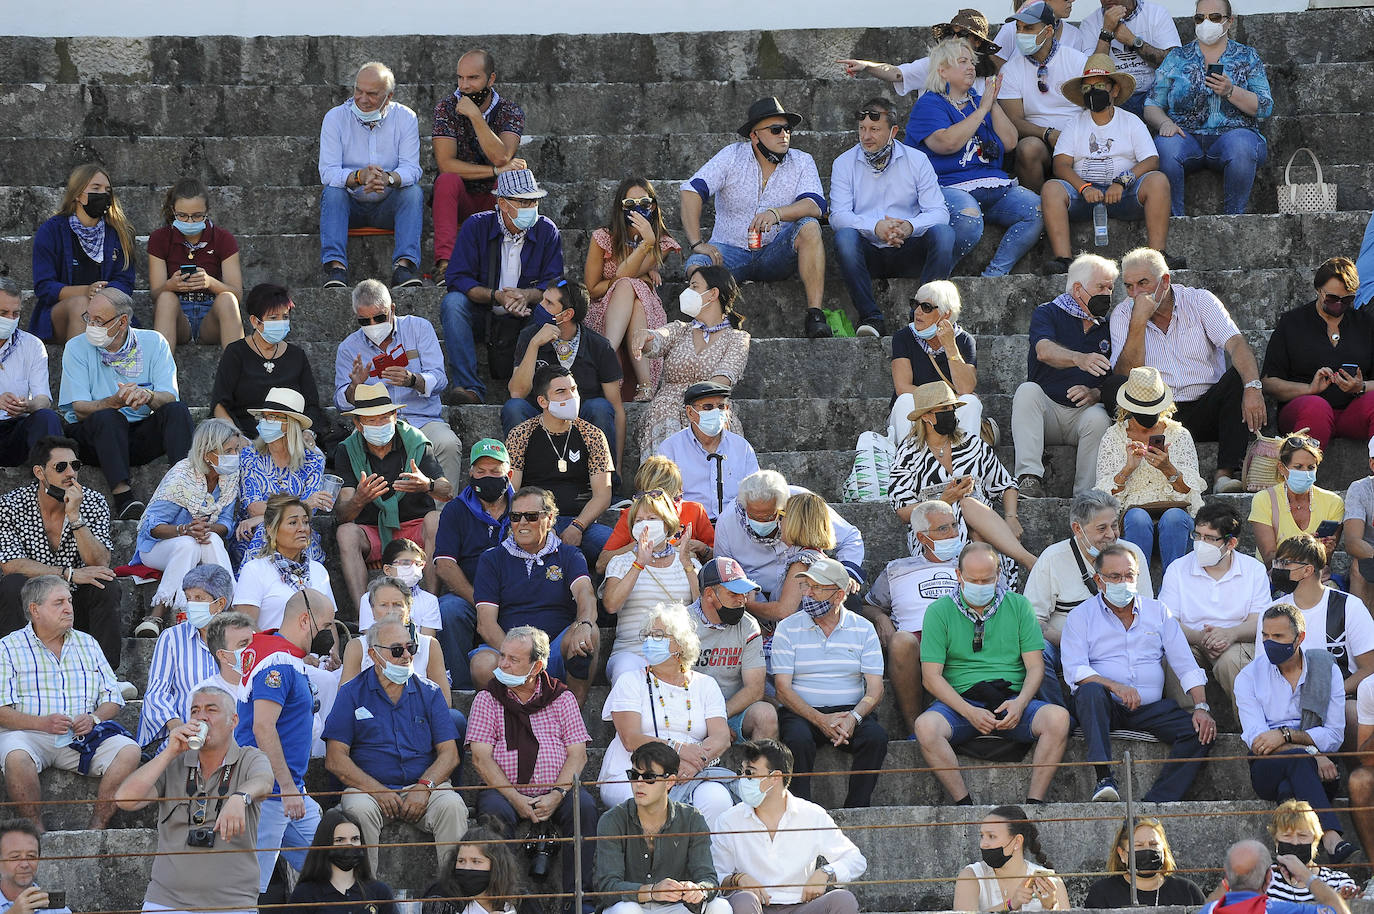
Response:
column 45, row 752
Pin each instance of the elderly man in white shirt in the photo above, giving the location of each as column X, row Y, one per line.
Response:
column 1218, row 595
column 767, row 846
column 1188, row 335
column 768, row 202
column 888, row 213
column 711, row 459
column 1112, row 648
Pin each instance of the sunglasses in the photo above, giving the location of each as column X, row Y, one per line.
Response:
column 632, row 202
column 531, row 516
column 375, row 319
column 978, row 635
column 777, row 129
column 647, row 777
column 925, row 306
column 1042, row 76
column 1346, row 300
column 651, row 493
column 1211, row 17
column 400, row 650
column 1292, row 441
column 61, row 466
column 868, row 114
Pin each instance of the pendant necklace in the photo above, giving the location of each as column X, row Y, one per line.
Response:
column 268, row 362
column 567, row 443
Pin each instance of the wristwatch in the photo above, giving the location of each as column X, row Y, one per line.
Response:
column 1138, row 43
column 1256, row 384
column 1107, row 36
column 829, row 871
column 247, row 798
column 426, row 783
column 858, row 718
column 1310, row 750
column 1125, row 179
column 1203, row 706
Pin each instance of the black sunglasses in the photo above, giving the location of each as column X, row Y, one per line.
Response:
column 376, row 319
column 869, row 114
column 1214, row 17
column 978, row 636
column 777, row 129
column 399, row 650
column 61, row 466
column 526, row 515
column 925, row 306
column 632, row 202
column 1346, row 300
column 647, row 777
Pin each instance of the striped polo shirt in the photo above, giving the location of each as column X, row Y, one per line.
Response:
column 1190, row 354
column 827, row 672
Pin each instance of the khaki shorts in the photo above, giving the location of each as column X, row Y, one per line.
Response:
column 46, row 753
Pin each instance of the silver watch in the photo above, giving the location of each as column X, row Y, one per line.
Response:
column 829, row 871
column 1203, row 706
column 1256, row 384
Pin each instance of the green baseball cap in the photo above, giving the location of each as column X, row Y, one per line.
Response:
column 489, row 447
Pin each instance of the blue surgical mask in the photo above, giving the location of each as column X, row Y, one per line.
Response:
column 198, row 614
column 948, row 548
column 397, row 672
column 275, row 331
column 270, row 429
column 711, row 422
column 367, row 117
column 1120, row 594
column 1029, row 44
column 1299, row 481
column 750, row 792
column 978, row 594
column 510, row 680
column 763, row 527
column 657, row 650
column 189, row 228
column 7, row 327
column 927, row 333
column 379, row 434
column 1279, row 653
column 227, row 465
column 526, row 217
column 238, row 659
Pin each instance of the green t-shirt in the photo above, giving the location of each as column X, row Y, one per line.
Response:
column 947, row 637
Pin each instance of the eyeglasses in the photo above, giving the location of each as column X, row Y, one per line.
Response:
column 943, row 528
column 1210, row 17
column 647, row 777
column 399, row 650
column 1085, row 88
column 61, row 466
column 1204, row 538
column 632, row 202
column 777, row 129
column 869, row 114
column 375, row 319
column 189, row 217
column 925, row 306
column 1125, row 577
column 1347, row 300
column 1290, row 564
column 1298, row 442
column 531, row 516
column 88, row 320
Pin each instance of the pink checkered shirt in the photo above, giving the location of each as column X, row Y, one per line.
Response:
column 557, row 727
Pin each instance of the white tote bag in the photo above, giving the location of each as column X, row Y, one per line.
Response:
column 1305, row 198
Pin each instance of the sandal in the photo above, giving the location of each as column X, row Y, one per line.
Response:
column 150, row 627
column 644, row 392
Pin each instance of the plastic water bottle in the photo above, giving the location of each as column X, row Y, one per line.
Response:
column 1100, row 225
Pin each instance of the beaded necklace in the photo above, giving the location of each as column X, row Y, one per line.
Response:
column 650, row 679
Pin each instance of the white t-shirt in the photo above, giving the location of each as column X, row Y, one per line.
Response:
column 907, row 586
column 1044, row 109
column 259, row 585
column 1364, row 704
column 1070, row 37
column 1359, row 628
column 1101, row 152
column 1152, row 22
column 913, row 78
column 424, row 611
column 655, row 586
column 670, row 720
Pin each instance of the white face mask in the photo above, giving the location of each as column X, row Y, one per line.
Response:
column 377, row 333
column 690, row 302
column 98, row 337
column 1208, row 554
column 657, row 533
column 409, row 574
column 7, row 327
column 1209, row 32
column 566, row 409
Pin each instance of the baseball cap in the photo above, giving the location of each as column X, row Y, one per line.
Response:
column 826, row 571
column 726, row 571
column 489, row 447
column 1038, row 12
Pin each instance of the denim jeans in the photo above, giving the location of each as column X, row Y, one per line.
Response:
column 1011, row 206
column 457, row 638
column 1236, row 154
column 929, row 256
column 276, row 830
column 1135, row 104
column 596, row 410
column 402, row 210
column 464, row 324
column 774, row 262
column 1175, row 529
column 593, row 540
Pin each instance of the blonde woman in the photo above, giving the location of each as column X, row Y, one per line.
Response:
column 279, row 461
column 283, row 566
column 88, row 244
column 1297, row 830
column 659, row 474
column 659, row 570
column 1155, row 882
column 1296, row 504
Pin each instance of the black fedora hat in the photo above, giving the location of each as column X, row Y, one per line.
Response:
column 767, row 107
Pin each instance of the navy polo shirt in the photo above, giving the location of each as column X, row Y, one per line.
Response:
column 464, row 535
column 393, row 743
column 1053, row 323
column 541, row 596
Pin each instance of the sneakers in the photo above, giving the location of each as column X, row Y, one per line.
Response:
column 1227, row 485
column 1343, row 852
column 1029, row 486
column 335, row 277
column 990, row 432
column 816, row 327
column 874, row 327
column 404, row 276
column 128, row 690
column 127, row 506
column 1105, row 792
column 150, row 627
column 1056, row 265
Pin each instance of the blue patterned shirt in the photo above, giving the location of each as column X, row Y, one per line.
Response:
column 1180, row 89
column 181, row 662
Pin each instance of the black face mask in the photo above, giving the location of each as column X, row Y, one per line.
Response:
column 1145, row 420
column 730, row 615
column 1097, row 99
column 770, row 155
column 489, row 488
column 471, row 883
column 1281, row 581
column 995, row 857
column 322, row 642
column 97, row 205
column 478, row 98
column 1148, row 862
column 56, row 493
column 1335, row 309
column 346, row 858
column 1099, row 305
column 1302, row 851
column 946, row 423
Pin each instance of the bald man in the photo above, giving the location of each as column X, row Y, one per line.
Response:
column 1247, row 876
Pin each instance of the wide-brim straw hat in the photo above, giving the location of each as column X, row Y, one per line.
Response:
column 931, row 396
column 1145, row 392
column 1098, row 65
column 284, row 400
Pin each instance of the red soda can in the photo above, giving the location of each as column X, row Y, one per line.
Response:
column 755, row 239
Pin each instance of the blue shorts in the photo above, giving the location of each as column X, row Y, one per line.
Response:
column 735, row 723
column 1128, row 208
column 195, row 312
column 558, row 668
column 774, row 262
column 965, row 731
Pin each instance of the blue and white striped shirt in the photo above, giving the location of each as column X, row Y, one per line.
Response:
column 827, row 672
column 181, row 661
column 35, row 681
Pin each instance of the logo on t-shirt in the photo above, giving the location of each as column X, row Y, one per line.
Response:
column 574, row 456
column 721, row 656
column 553, row 572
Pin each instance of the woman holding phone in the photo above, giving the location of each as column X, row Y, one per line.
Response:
column 1149, row 461
column 1320, row 359
column 193, row 271
column 1296, row 505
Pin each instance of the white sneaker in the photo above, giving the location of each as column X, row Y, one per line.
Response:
column 128, row 690
column 867, row 330
column 1227, row 485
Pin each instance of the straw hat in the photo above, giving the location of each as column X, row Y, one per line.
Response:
column 372, row 400
column 1098, row 65
column 284, row 400
column 931, row 396
column 1145, row 392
